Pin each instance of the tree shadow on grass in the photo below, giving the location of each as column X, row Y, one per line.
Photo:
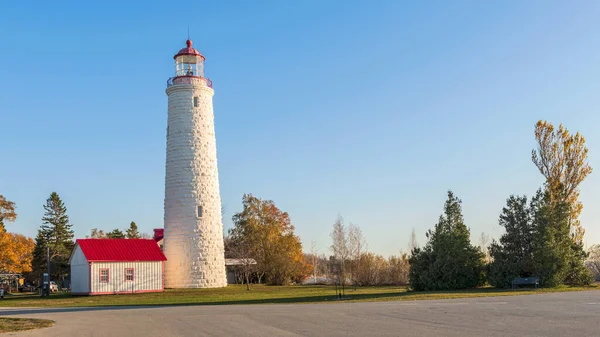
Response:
column 158, row 302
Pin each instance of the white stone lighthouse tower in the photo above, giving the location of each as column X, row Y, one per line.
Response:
column 193, row 238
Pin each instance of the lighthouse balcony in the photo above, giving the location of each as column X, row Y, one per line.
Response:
column 189, row 80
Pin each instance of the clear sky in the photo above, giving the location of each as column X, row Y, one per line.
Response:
column 369, row 109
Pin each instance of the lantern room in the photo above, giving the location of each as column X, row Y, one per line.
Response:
column 189, row 62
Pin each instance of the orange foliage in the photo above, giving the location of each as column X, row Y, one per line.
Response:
column 269, row 235
column 16, row 252
column 563, row 160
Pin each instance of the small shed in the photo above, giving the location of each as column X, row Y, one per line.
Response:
column 159, row 235
column 116, row 266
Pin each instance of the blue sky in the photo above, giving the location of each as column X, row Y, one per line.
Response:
column 372, row 110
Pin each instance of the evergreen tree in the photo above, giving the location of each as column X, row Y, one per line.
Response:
column 513, row 255
column 55, row 233
column 39, row 262
column 558, row 259
column 448, row 260
column 132, row 232
column 115, row 234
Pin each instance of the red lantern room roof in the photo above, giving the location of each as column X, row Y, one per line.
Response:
column 189, row 51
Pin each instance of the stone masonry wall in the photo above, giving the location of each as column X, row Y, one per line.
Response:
column 193, row 244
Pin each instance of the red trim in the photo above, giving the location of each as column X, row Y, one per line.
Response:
column 124, row 260
column 132, row 274
column 107, row 274
column 127, row 292
column 189, row 50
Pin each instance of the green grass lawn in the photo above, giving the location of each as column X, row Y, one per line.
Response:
column 259, row 294
column 22, row 324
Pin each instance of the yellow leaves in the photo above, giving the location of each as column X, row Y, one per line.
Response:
column 16, row 250
column 268, row 234
column 7, row 211
column 562, row 159
column 16, row 253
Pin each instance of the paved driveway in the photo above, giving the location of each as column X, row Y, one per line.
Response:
column 560, row 314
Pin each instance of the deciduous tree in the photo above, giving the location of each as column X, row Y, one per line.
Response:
column 15, row 253
column 593, row 261
column 357, row 245
column 412, row 243
column 341, row 252
column 563, row 160
column 97, row 234
column 7, row 212
column 269, row 234
column 398, row 269
column 484, row 242
column 241, row 252
column 373, row 270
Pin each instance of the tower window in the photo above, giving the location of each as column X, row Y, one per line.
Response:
column 196, row 101
column 199, row 211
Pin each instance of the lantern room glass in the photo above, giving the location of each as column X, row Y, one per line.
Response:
column 189, row 65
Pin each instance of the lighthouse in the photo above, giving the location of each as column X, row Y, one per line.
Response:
column 193, row 235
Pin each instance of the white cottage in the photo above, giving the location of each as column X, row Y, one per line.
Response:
column 116, row 266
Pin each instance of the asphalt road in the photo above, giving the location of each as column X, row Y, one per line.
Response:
column 558, row 314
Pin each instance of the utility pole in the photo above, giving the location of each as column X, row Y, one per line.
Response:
column 48, row 259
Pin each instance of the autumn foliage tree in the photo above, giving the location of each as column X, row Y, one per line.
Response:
column 268, row 235
column 16, row 252
column 7, row 212
column 15, row 249
column 563, row 160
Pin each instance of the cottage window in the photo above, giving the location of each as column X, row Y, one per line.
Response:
column 104, row 276
column 196, row 101
column 128, row 274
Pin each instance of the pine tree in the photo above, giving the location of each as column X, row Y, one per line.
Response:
column 116, row 234
column 132, row 232
column 448, row 260
column 558, row 259
column 39, row 262
column 55, row 233
column 513, row 254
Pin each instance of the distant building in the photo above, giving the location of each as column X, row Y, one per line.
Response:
column 233, row 267
column 116, row 266
column 159, row 235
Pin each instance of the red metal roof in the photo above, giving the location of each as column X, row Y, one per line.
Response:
column 189, row 51
column 114, row 250
column 159, row 234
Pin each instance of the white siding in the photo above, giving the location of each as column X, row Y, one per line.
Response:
column 80, row 272
column 148, row 276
